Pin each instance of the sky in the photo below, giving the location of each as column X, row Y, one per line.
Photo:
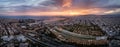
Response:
column 58, row 7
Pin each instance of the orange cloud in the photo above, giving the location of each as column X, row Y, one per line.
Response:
column 67, row 3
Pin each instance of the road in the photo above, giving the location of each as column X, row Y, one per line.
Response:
column 77, row 36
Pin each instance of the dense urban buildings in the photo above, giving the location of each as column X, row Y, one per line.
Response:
column 73, row 31
column 59, row 23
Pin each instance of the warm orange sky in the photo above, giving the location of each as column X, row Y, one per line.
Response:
column 59, row 7
column 70, row 12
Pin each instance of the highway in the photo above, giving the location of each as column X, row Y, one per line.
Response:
column 77, row 36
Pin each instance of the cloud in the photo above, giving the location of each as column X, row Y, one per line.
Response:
column 46, row 5
column 24, row 5
column 8, row 3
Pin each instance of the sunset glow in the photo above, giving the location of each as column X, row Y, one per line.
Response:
column 67, row 3
column 69, row 12
column 58, row 7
